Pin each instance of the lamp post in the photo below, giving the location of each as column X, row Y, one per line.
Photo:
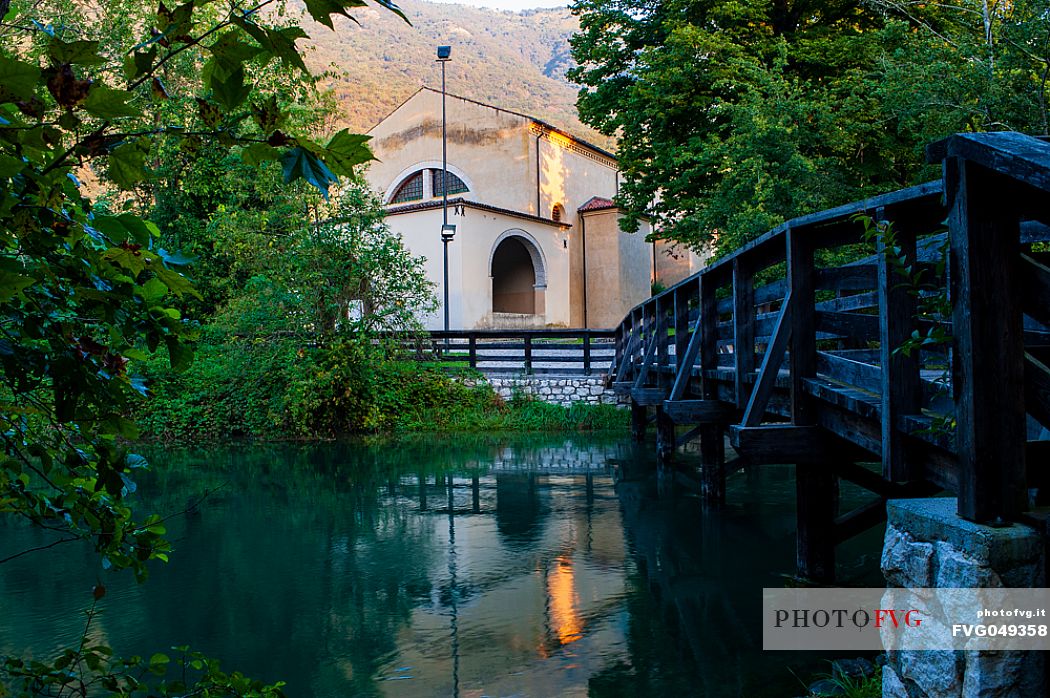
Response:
column 444, row 55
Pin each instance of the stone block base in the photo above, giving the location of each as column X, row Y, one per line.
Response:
column 928, row 545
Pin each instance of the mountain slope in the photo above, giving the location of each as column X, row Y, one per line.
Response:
column 516, row 61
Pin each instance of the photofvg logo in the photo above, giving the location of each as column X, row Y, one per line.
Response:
column 896, row 619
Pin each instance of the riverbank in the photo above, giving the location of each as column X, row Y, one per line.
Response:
column 281, row 391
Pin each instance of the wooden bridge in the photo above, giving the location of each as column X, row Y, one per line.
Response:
column 892, row 369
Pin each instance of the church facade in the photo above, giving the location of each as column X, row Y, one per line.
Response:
column 537, row 240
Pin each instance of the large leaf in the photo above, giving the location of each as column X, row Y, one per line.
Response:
column 322, row 10
column 230, row 90
column 107, row 103
column 176, row 282
column 257, row 153
column 347, row 150
column 127, row 164
column 75, row 52
column 18, row 80
column 300, row 163
column 12, row 284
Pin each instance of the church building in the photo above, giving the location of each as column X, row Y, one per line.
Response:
column 537, row 240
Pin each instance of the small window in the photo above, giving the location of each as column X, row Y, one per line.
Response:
column 410, row 190
column 455, row 184
column 557, row 213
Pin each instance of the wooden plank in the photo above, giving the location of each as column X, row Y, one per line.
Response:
column 858, row 402
column 859, row 520
column 803, row 359
column 648, row 397
column 860, row 328
column 708, row 331
column 770, row 368
column 900, row 384
column 681, row 323
column 863, row 433
column 1037, row 389
column 839, row 368
column 857, row 301
column 780, row 443
column 698, row 411
column 647, row 361
column 743, row 328
column 1020, row 157
column 685, row 366
column 855, row 277
column 1035, row 289
column 989, row 353
column 626, row 359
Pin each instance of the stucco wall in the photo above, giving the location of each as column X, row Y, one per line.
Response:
column 470, row 254
column 487, row 148
column 569, row 174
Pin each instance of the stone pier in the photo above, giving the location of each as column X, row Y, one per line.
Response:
column 928, row 545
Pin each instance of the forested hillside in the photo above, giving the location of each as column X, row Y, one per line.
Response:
column 514, row 60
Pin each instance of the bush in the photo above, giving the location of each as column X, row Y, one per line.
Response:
column 280, row 389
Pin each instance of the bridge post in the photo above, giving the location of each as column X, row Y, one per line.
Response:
column 665, row 437
column 816, row 485
column 639, row 420
column 712, row 436
column 988, row 362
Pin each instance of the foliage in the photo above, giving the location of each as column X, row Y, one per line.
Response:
column 927, row 285
column 280, row 389
column 732, row 117
column 87, row 292
column 91, row 668
column 305, row 280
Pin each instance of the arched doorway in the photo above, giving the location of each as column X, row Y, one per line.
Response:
column 517, row 275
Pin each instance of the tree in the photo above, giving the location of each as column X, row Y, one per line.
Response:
column 343, row 272
column 732, row 117
column 86, row 293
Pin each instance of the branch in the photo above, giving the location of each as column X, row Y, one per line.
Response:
column 37, row 549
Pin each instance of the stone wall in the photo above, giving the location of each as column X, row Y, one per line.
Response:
column 928, row 545
column 558, row 390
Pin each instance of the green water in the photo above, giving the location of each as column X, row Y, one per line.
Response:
column 477, row 566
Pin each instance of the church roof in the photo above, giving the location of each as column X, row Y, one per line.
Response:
column 460, row 201
column 539, row 122
column 597, row 203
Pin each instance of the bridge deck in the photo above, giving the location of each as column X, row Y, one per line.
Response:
column 869, row 333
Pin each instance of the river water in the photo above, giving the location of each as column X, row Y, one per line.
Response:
column 441, row 566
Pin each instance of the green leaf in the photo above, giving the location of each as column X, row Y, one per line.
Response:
column 12, row 284
column 176, row 282
column 132, row 260
column 127, row 164
column 139, row 63
column 75, row 52
column 257, row 153
column 345, row 151
column 107, row 103
column 322, row 10
column 18, row 80
column 10, row 166
column 230, row 91
column 300, row 163
column 180, row 355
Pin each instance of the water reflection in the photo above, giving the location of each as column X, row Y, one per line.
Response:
column 438, row 567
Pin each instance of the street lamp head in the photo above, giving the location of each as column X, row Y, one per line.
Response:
column 444, row 53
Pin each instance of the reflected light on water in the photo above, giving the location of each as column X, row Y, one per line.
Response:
column 565, row 618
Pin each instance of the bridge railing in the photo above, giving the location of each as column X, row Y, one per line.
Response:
column 535, row 352
column 923, row 345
